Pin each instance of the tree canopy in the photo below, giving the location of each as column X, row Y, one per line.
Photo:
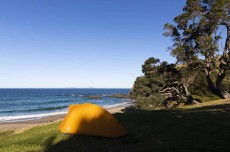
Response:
column 203, row 62
column 196, row 39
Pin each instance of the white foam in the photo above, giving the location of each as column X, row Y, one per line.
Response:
column 106, row 95
column 38, row 116
column 126, row 104
column 28, row 117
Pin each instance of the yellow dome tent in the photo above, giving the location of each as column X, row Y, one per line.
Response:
column 90, row 119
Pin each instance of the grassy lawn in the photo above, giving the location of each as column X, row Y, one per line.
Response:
column 192, row 129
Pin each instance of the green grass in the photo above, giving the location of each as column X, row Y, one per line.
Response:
column 35, row 139
column 199, row 129
column 206, row 98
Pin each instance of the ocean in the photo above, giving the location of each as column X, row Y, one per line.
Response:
column 29, row 104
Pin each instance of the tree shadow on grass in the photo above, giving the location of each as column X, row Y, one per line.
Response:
column 193, row 130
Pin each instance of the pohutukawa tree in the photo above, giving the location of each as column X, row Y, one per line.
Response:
column 197, row 35
column 168, row 80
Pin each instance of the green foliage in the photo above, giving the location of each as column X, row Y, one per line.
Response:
column 161, row 81
column 156, row 74
column 226, row 83
column 196, row 45
column 150, row 67
column 141, row 88
column 200, row 86
column 196, row 39
column 146, row 88
column 151, row 101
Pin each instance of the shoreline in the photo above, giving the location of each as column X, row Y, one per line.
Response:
column 19, row 126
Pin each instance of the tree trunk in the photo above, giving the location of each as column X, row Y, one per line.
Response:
column 211, row 85
column 225, row 61
column 189, row 98
column 219, row 87
column 224, row 94
column 227, row 41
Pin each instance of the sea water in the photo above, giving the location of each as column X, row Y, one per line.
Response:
column 28, row 104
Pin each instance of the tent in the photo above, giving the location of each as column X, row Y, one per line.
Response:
column 91, row 119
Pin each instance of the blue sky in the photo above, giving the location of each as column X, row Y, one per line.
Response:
column 81, row 43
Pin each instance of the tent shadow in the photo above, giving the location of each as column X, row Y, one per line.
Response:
column 200, row 129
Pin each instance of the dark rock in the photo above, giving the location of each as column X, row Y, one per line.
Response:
column 93, row 97
column 125, row 96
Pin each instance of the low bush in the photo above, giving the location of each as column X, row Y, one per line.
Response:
column 150, row 102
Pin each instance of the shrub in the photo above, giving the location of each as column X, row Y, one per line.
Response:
column 141, row 88
column 150, row 102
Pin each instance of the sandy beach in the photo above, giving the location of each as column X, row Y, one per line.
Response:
column 22, row 125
